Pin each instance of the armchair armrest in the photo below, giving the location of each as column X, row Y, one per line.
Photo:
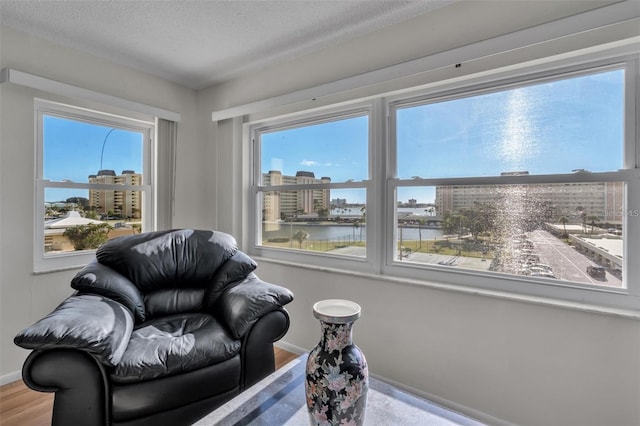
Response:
column 96, row 278
column 94, row 324
column 240, row 306
column 79, row 380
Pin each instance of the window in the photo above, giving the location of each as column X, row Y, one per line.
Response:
column 569, row 129
column 524, row 184
column 311, row 185
column 93, row 182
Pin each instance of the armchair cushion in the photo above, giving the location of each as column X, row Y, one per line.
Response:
column 172, row 345
column 232, row 271
column 99, row 279
column 184, row 258
column 240, row 306
column 170, row 301
column 91, row 323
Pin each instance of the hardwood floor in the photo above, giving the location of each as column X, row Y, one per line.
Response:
column 21, row 406
column 283, row 357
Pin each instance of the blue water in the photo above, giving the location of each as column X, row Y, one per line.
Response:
column 339, row 233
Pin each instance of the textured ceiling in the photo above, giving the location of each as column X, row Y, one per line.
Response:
column 204, row 42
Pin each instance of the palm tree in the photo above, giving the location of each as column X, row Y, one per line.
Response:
column 594, row 219
column 421, row 223
column 563, row 220
column 300, row 236
column 356, row 225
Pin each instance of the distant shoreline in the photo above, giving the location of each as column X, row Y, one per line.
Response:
column 332, row 223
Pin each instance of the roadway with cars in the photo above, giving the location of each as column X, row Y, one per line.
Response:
column 567, row 263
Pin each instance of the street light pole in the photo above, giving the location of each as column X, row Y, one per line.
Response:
column 104, row 142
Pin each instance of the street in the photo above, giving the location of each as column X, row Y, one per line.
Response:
column 567, row 263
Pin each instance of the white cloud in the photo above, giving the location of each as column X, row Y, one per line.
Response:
column 316, row 163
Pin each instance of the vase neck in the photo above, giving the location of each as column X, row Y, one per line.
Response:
column 336, row 336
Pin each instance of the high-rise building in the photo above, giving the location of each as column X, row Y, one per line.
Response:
column 600, row 199
column 124, row 204
column 280, row 204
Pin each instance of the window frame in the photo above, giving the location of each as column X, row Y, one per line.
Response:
column 381, row 210
column 627, row 297
column 48, row 262
column 255, row 129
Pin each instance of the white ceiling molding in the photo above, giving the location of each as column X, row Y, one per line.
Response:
column 590, row 21
column 9, row 75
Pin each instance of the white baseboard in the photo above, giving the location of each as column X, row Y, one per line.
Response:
column 11, row 377
column 290, row 348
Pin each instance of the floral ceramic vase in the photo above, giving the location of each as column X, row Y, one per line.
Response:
column 337, row 376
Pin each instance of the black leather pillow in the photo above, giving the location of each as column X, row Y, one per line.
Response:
column 86, row 322
column 241, row 306
column 99, row 279
column 238, row 267
column 183, row 258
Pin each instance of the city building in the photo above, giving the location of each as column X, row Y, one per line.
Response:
column 122, row 204
column 573, row 200
column 281, row 204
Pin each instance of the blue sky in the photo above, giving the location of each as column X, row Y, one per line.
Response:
column 547, row 128
column 336, row 149
column 73, row 150
column 552, row 127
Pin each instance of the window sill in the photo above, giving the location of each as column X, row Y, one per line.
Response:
column 44, row 271
column 62, row 262
column 537, row 300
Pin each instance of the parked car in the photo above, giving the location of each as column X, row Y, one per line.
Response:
column 596, row 272
column 542, row 274
column 540, row 270
column 532, row 258
column 542, row 265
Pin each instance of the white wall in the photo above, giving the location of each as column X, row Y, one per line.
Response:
column 504, row 360
column 25, row 297
column 519, row 362
column 522, row 363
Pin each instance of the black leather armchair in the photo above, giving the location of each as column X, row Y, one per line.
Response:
column 163, row 328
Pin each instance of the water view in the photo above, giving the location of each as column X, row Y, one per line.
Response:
column 347, row 233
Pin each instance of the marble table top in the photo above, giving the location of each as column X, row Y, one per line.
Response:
column 279, row 399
